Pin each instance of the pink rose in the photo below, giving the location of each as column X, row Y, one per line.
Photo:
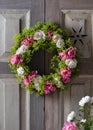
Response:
column 16, row 59
column 62, row 55
column 71, row 52
column 67, row 80
column 27, row 41
column 26, row 81
column 52, row 88
column 65, row 73
column 50, row 34
column 49, row 87
column 46, row 91
column 32, row 75
column 70, row 126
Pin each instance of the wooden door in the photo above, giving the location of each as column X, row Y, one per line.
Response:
column 14, row 101
column 19, row 110
column 71, row 14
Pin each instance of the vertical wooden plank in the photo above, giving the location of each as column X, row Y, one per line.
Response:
column 37, row 103
column 36, row 112
column 24, row 110
column 53, row 103
column 53, row 112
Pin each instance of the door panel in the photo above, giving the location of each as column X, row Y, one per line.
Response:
column 14, row 16
column 11, row 22
column 58, row 105
column 9, row 100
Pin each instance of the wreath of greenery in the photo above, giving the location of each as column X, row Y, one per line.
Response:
column 64, row 63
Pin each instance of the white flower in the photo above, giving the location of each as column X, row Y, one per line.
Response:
column 71, row 63
column 83, row 121
column 56, row 38
column 39, row 34
column 59, row 84
column 60, row 43
column 20, row 70
column 37, row 80
column 71, row 116
column 21, row 49
column 84, row 100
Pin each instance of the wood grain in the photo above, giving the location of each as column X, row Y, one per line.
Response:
column 37, row 103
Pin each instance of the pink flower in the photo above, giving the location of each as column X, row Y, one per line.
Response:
column 32, row 75
column 26, row 81
column 46, row 91
column 70, row 126
column 71, row 52
column 67, row 80
column 16, row 59
column 49, row 87
column 50, row 34
column 27, row 41
column 62, row 55
column 66, row 73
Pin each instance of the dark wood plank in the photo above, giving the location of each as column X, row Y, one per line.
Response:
column 37, row 103
column 37, row 113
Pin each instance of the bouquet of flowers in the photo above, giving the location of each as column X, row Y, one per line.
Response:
column 83, row 119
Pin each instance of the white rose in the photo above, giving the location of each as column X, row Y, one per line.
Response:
column 20, row 70
column 71, row 63
column 59, row 84
column 60, row 43
column 83, row 121
column 56, row 38
column 21, row 49
column 84, row 100
column 37, row 80
column 71, row 116
column 39, row 34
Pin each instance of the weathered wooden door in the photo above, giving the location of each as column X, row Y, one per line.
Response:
column 20, row 110
column 14, row 101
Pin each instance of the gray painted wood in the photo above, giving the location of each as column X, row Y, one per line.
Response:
column 37, row 103
column 10, row 25
column 36, row 112
column 57, row 106
column 9, row 100
column 68, row 100
column 53, row 111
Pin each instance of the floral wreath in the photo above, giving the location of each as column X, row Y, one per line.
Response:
column 64, row 63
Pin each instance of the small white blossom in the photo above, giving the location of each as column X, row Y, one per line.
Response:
column 59, row 84
column 56, row 38
column 21, row 49
column 20, row 71
column 71, row 63
column 60, row 43
column 37, row 80
column 39, row 34
column 83, row 121
column 71, row 116
column 84, row 100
